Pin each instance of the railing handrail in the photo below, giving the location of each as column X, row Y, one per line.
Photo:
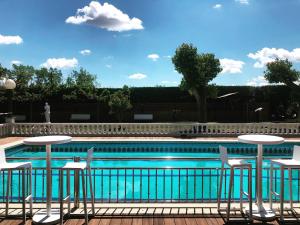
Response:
column 150, row 129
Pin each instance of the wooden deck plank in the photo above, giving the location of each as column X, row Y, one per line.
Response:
column 158, row 221
column 115, row 221
column 180, row 221
column 200, row 221
column 169, row 221
column 190, row 221
column 211, row 221
column 126, row 221
column 137, row 221
column 147, row 221
column 104, row 221
column 71, row 222
column 94, row 221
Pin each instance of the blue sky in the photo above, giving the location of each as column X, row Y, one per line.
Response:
column 130, row 42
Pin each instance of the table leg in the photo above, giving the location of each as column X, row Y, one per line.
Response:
column 261, row 213
column 47, row 216
column 259, row 177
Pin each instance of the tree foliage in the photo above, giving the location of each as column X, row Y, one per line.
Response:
column 22, row 75
column 119, row 102
column 197, row 70
column 281, row 71
column 49, row 79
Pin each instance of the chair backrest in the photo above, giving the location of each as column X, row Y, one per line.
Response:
column 223, row 154
column 296, row 153
column 2, row 156
column 90, row 153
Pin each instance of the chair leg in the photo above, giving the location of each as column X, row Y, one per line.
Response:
column 30, row 191
column 271, row 186
column 69, row 191
column 220, row 187
column 84, row 198
column 241, row 188
column 91, row 190
column 281, row 191
column 250, row 191
column 7, row 191
column 23, row 196
column 291, row 189
column 61, row 193
column 230, row 192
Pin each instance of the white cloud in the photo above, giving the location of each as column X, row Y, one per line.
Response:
column 231, row 66
column 9, row 40
column 85, row 52
column 137, row 76
column 105, row 16
column 167, row 56
column 243, row 2
column 60, row 63
column 258, row 81
column 153, row 57
column 108, row 66
column 267, row 55
column 217, row 6
column 16, row 62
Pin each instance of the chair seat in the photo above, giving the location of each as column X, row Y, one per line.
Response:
column 236, row 162
column 75, row 165
column 287, row 162
column 15, row 165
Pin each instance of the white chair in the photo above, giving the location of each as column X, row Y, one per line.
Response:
column 80, row 167
column 284, row 164
column 235, row 164
column 9, row 167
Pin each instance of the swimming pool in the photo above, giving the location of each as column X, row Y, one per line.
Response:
column 148, row 171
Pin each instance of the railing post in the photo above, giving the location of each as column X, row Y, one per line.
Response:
column 76, row 185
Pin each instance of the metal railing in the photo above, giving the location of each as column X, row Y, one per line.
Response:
column 147, row 185
column 153, row 129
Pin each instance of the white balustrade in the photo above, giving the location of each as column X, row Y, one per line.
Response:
column 148, row 129
column 5, row 130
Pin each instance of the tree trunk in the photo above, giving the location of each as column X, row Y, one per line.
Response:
column 201, row 104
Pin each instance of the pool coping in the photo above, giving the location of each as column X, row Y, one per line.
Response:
column 19, row 140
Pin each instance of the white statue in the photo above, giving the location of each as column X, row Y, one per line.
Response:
column 47, row 112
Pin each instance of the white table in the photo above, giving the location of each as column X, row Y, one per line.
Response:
column 49, row 216
column 261, row 213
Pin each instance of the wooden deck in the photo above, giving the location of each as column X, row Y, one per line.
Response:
column 123, row 214
column 150, row 221
column 145, row 221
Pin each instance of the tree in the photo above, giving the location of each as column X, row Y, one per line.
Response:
column 3, row 71
column 281, row 71
column 22, row 75
column 49, row 79
column 81, row 84
column 82, row 79
column 197, row 70
column 119, row 102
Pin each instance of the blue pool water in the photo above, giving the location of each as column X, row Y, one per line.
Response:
column 139, row 180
